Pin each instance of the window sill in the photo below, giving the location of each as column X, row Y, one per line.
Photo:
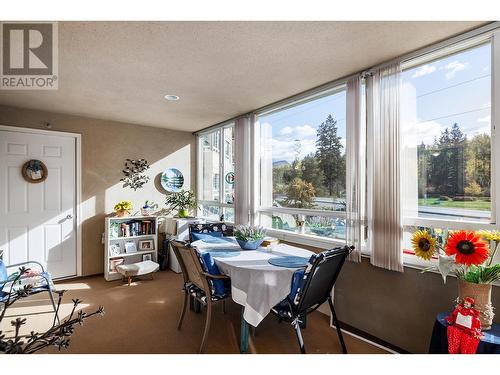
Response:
column 305, row 239
column 327, row 243
column 416, row 264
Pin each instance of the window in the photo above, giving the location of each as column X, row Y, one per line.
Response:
column 446, row 142
column 216, row 173
column 216, row 182
column 302, row 166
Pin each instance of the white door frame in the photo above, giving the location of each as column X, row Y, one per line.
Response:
column 78, row 182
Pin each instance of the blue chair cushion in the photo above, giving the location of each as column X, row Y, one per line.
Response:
column 211, row 267
column 3, row 274
column 196, row 292
column 211, row 237
column 3, row 271
column 297, row 280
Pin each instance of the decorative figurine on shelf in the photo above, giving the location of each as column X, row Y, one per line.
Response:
column 148, row 208
column 464, row 330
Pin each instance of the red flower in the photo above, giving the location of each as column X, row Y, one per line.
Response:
column 468, row 247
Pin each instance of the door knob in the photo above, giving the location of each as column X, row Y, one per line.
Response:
column 69, row 216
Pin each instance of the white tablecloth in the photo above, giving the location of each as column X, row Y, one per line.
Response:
column 256, row 284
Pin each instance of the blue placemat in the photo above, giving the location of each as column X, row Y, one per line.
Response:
column 289, row 261
column 222, row 253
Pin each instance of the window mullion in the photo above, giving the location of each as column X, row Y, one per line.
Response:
column 221, row 170
column 495, row 119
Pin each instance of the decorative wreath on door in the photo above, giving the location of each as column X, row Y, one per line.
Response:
column 35, row 171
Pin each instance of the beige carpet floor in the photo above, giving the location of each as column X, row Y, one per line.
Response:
column 142, row 318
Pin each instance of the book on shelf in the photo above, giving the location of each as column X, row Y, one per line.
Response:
column 133, row 228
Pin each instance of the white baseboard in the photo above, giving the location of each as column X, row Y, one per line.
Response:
column 364, row 339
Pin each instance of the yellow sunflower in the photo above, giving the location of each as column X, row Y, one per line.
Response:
column 423, row 244
column 490, row 235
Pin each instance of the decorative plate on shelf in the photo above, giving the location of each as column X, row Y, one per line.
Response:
column 172, row 180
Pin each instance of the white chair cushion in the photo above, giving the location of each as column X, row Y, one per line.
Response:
column 137, row 269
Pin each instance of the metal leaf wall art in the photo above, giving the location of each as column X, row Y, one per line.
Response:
column 134, row 173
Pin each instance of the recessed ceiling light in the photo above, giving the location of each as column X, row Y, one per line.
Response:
column 172, row 98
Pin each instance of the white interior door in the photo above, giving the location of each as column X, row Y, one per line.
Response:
column 37, row 220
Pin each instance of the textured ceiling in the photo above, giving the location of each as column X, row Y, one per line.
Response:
column 122, row 70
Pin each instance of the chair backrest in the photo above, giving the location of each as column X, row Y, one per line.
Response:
column 226, row 230
column 3, row 273
column 319, row 278
column 3, row 270
column 191, row 266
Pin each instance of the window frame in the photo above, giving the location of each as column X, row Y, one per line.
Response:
column 220, row 142
column 299, row 238
column 412, row 221
column 488, row 32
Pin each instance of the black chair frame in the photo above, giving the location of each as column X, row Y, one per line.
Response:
column 310, row 297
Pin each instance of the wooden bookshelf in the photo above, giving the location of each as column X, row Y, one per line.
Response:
column 120, row 230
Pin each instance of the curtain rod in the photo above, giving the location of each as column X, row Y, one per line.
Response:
column 364, row 73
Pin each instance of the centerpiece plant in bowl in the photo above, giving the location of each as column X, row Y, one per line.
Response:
column 182, row 201
column 249, row 237
column 467, row 255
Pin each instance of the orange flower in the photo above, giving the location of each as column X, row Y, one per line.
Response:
column 468, row 247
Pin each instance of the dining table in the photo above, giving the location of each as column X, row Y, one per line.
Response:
column 256, row 284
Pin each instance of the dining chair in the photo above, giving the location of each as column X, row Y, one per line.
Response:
column 314, row 288
column 200, row 284
column 214, row 229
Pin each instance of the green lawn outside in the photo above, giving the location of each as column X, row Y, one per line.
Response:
column 478, row 204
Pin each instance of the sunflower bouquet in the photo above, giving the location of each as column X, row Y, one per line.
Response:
column 123, row 208
column 465, row 253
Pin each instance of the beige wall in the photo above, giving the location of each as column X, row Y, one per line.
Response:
column 399, row 308
column 105, row 146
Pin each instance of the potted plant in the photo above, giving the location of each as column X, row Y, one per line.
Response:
column 123, row 208
column 249, row 237
column 467, row 255
column 182, row 202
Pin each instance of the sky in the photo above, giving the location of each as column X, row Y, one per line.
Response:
column 301, row 122
column 453, row 89
column 433, row 96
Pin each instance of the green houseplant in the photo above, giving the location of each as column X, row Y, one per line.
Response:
column 182, row 202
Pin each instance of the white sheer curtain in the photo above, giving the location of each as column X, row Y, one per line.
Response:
column 355, row 163
column 242, row 167
column 383, row 180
